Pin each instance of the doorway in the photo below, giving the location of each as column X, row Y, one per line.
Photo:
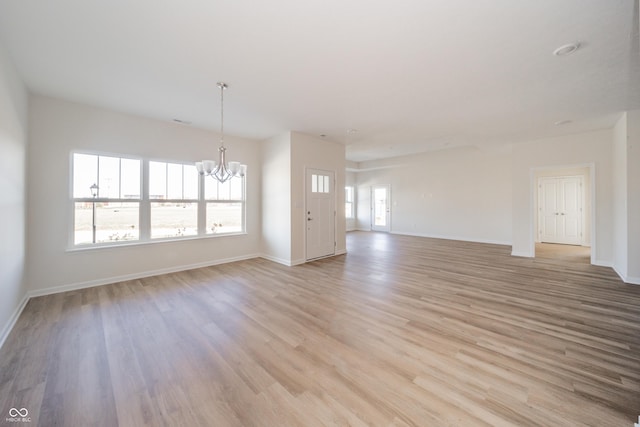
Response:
column 560, row 210
column 380, row 208
column 570, row 190
column 320, row 213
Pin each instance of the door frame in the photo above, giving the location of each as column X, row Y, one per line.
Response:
column 533, row 193
column 333, row 174
column 387, row 229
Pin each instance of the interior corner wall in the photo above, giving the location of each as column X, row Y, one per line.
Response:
column 13, row 203
column 620, row 225
column 311, row 152
column 459, row 193
column 56, row 128
column 276, row 198
column 633, row 196
column 577, row 149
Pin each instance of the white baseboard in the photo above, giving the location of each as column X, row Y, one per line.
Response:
column 445, row 237
column 134, row 276
column 341, row 252
column 626, row 279
column 522, row 254
column 601, row 263
column 13, row 319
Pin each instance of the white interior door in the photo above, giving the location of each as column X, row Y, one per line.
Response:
column 560, row 210
column 320, row 213
column 380, row 208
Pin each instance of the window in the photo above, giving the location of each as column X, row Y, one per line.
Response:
column 173, row 197
column 106, row 198
column 225, row 206
column 109, row 205
column 349, row 210
column 320, row 184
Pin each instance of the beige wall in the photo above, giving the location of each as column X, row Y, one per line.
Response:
column 13, row 203
column 56, row 129
column 462, row 194
column 591, row 148
column 276, row 198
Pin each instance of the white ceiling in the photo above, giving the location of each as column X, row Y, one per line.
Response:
column 409, row 75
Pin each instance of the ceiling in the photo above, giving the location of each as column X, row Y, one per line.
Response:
column 409, row 76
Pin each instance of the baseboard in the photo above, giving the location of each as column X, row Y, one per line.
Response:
column 134, row 276
column 522, row 254
column 626, row 279
column 341, row 252
column 458, row 238
column 601, row 263
column 276, row 259
column 13, row 319
column 362, row 229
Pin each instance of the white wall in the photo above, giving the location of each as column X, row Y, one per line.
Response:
column 626, row 197
column 13, row 155
column 579, row 149
column 462, row 194
column 310, row 152
column 276, row 198
column 619, row 159
column 56, row 128
column 350, row 179
column 633, row 195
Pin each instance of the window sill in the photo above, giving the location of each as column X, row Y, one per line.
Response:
column 101, row 246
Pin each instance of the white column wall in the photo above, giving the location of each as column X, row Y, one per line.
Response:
column 13, row 187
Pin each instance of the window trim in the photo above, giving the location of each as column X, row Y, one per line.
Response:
column 144, row 209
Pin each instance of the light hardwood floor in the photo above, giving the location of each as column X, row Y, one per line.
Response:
column 401, row 331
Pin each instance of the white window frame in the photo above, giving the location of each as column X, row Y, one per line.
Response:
column 74, row 200
column 144, row 210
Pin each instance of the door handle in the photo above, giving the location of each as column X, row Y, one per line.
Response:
column 562, row 213
column 309, row 219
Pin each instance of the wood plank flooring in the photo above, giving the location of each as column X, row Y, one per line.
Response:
column 401, row 331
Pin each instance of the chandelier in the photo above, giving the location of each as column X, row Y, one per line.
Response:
column 221, row 170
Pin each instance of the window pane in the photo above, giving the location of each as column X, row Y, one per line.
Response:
column 348, row 194
column 109, row 177
column 224, row 190
column 157, row 180
column 114, row 222
column 236, row 188
column 85, row 174
column 191, row 179
column 210, row 188
column 174, row 181
column 224, row 218
column 348, row 210
column 314, row 183
column 326, row 183
column 130, row 178
column 174, row 220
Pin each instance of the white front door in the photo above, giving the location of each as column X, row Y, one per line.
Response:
column 380, row 208
column 320, row 213
column 560, row 210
